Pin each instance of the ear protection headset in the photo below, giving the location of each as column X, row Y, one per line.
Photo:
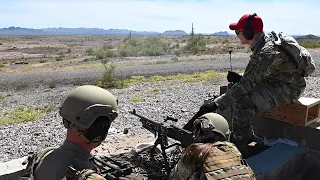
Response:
column 248, row 33
column 96, row 133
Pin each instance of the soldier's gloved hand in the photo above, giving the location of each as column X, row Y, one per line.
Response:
column 233, row 77
column 208, row 107
column 205, row 108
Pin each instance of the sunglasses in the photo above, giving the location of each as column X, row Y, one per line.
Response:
column 238, row 31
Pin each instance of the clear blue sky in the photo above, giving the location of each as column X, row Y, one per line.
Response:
column 293, row 17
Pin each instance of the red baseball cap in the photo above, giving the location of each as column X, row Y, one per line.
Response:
column 256, row 24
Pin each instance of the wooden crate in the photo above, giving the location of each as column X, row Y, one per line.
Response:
column 306, row 111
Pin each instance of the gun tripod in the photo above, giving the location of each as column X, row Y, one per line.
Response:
column 163, row 141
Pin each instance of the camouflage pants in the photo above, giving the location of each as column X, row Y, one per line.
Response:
column 257, row 101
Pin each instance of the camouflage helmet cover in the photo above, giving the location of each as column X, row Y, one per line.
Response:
column 213, row 122
column 86, row 103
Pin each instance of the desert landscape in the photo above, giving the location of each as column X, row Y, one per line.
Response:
column 84, row 51
column 158, row 75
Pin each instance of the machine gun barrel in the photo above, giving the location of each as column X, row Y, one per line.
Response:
column 152, row 126
column 182, row 135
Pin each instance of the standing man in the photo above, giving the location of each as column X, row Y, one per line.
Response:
column 274, row 76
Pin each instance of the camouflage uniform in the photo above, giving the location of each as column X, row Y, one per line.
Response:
column 224, row 161
column 265, row 84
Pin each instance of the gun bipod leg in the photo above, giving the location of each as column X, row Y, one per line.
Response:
column 164, row 155
column 156, row 143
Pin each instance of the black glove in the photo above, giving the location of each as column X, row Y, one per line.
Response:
column 210, row 107
column 233, row 77
column 205, row 108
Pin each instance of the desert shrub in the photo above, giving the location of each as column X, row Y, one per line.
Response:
column 225, row 41
column 108, row 79
column 223, row 49
column 59, row 58
column 101, row 53
column 108, row 46
column 152, row 50
column 195, row 44
column 89, row 51
column 151, row 46
column 128, row 50
column 310, row 44
column 43, row 61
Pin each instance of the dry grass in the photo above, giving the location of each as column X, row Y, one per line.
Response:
column 22, row 114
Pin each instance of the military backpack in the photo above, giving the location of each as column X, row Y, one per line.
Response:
column 299, row 54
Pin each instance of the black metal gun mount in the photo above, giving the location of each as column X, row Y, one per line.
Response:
column 162, row 132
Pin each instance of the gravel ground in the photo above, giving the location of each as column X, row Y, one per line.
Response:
column 17, row 140
column 160, row 99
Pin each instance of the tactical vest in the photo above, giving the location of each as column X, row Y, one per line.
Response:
column 225, row 162
column 34, row 160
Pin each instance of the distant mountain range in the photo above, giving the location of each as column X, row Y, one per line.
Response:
column 89, row 31
column 99, row 31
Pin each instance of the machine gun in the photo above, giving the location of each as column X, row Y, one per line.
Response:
column 106, row 166
column 162, row 132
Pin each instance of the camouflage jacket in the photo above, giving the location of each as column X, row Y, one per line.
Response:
column 268, row 64
column 223, row 162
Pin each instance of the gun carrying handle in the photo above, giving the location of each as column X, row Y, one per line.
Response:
column 171, row 119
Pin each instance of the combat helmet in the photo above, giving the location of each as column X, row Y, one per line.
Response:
column 85, row 104
column 209, row 125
